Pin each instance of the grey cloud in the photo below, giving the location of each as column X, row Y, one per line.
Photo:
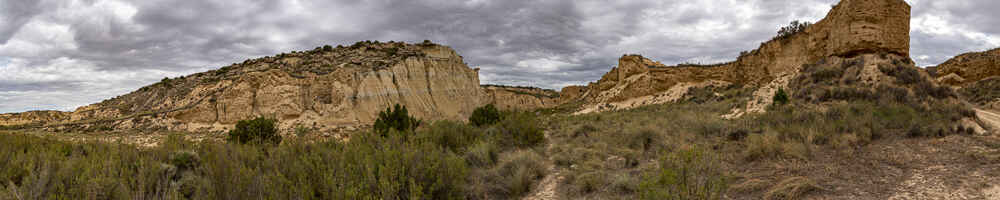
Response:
column 15, row 14
column 584, row 38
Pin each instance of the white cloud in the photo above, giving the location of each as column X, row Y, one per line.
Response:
column 545, row 64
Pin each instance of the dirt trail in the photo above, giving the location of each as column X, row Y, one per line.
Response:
column 991, row 118
column 546, row 189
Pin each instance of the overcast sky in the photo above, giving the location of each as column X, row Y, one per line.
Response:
column 61, row 54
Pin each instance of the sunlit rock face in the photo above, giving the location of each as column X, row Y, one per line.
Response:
column 851, row 28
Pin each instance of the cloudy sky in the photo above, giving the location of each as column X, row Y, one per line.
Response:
column 61, row 54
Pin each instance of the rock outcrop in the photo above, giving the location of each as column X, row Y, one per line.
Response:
column 342, row 88
column 852, row 28
column 519, row 98
column 31, row 117
column 335, row 88
column 968, row 68
column 328, row 89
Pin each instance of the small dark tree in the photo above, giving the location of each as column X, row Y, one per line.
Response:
column 396, row 118
column 793, row 28
column 486, row 115
column 257, row 131
column 780, row 97
column 327, row 48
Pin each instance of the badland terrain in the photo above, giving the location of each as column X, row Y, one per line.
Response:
column 829, row 110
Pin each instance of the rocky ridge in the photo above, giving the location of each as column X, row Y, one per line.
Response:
column 329, row 89
column 31, row 117
column 968, row 68
column 851, row 28
column 520, row 98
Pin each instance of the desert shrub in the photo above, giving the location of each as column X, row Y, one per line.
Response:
column 261, row 130
column 642, row 139
column 396, row 118
column 39, row 168
column 826, row 73
column 302, row 131
column 737, row 134
column 903, row 74
column 685, row 174
column 780, row 97
column 982, row 92
column 481, row 154
column 584, row 130
column 791, row 29
column 845, row 94
column 522, row 168
column 762, row 146
column 590, row 182
column 624, row 183
column 928, row 89
column 791, row 188
column 327, row 48
column 519, row 130
column 893, row 93
column 184, row 159
column 451, row 135
column 486, row 115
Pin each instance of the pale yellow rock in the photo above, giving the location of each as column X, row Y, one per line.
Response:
column 327, row 90
column 519, row 98
column 852, row 27
column 14, row 119
column 969, row 68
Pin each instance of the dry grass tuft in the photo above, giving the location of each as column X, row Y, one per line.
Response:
column 792, row 188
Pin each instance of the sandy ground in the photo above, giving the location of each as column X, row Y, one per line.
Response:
column 991, row 118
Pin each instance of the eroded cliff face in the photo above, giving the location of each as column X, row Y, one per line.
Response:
column 333, row 89
column 519, row 98
column 969, row 68
column 852, row 28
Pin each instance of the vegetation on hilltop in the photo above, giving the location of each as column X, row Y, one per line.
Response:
column 983, row 92
column 792, row 28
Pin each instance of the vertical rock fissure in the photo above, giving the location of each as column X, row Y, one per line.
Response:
column 427, row 77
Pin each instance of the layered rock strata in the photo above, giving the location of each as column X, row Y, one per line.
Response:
column 853, row 27
column 31, row 117
column 520, row 98
column 969, row 68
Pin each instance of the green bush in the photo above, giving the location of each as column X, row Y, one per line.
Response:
column 519, row 130
column 486, row 115
column 685, row 174
column 327, row 48
column 184, row 160
column 982, row 92
column 481, row 154
column 780, row 97
column 366, row 167
column 396, row 118
column 521, row 170
column 791, row 29
column 453, row 136
column 261, row 130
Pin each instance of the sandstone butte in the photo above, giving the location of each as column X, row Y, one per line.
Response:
column 851, row 28
column 968, row 68
column 333, row 89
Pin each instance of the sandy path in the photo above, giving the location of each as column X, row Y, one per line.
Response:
column 546, row 189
